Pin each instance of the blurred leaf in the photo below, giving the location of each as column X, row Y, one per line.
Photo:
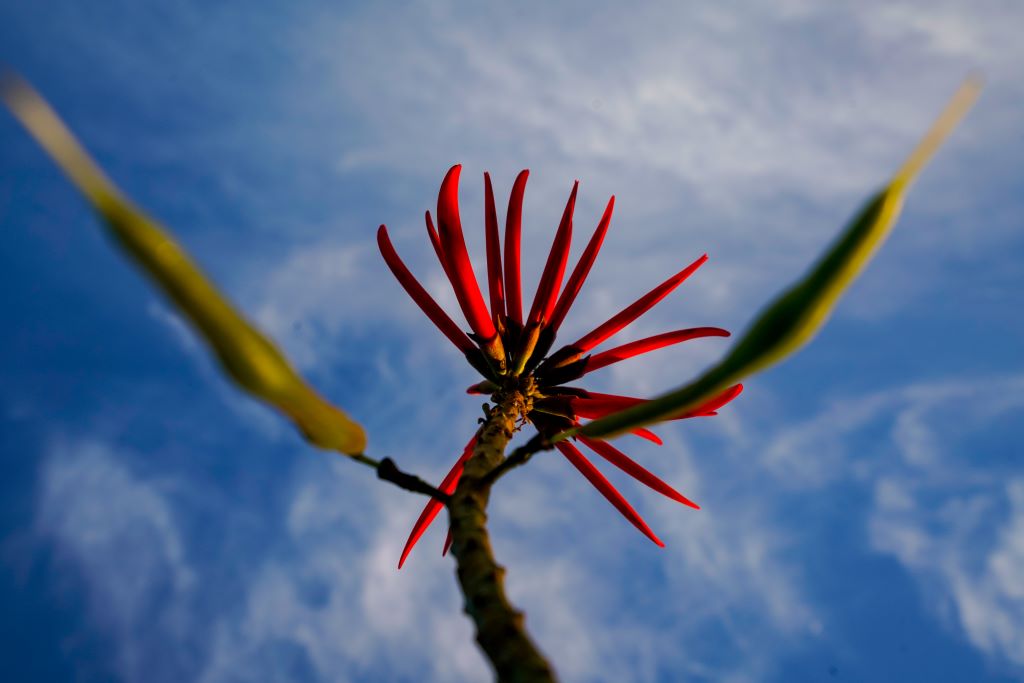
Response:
column 249, row 358
column 798, row 313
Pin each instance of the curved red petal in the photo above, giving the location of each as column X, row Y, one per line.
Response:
column 605, row 358
column 636, row 309
column 415, row 290
column 433, row 507
column 710, row 407
column 449, row 225
column 447, row 543
column 495, row 287
column 482, row 388
column 554, row 269
column 436, row 242
column 647, row 434
column 635, row 470
column 596, row 405
column 513, row 236
column 598, row 481
column 582, row 269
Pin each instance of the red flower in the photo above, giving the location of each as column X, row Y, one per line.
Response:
column 510, row 350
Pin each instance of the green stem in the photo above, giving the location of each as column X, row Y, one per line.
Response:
column 499, row 625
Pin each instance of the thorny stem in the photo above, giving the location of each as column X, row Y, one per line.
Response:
column 499, row 625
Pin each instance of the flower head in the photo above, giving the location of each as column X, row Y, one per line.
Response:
column 511, row 346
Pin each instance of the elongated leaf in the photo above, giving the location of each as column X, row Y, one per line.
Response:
column 798, row 313
column 249, row 358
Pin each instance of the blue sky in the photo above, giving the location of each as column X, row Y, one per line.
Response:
column 863, row 503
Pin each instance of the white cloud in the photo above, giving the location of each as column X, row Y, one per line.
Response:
column 738, row 131
column 326, row 601
column 927, row 418
column 705, row 120
column 950, row 511
column 638, row 603
column 728, row 103
column 317, row 298
column 328, row 604
column 120, row 533
column 979, row 31
column 362, row 615
column 954, row 517
column 966, row 549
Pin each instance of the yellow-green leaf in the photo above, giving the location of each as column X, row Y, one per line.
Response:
column 249, row 358
column 798, row 313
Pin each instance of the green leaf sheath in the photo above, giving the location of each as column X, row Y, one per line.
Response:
column 798, row 313
column 250, row 358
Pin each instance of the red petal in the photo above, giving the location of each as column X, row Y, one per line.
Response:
column 433, row 506
column 587, row 469
column 637, row 308
column 636, row 348
column 635, row 470
column 436, row 242
column 447, row 543
column 495, row 287
column 554, row 269
column 415, row 290
column 597, row 405
column 467, row 291
column 513, row 234
column 647, row 434
column 714, row 404
column 579, row 274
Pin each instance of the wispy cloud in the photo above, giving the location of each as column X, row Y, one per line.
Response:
column 117, row 531
column 722, row 130
column 952, row 512
column 750, row 132
column 329, row 603
column 948, row 497
column 717, row 103
column 965, row 547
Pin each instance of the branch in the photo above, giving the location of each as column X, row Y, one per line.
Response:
column 519, row 456
column 499, row 625
column 387, row 470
